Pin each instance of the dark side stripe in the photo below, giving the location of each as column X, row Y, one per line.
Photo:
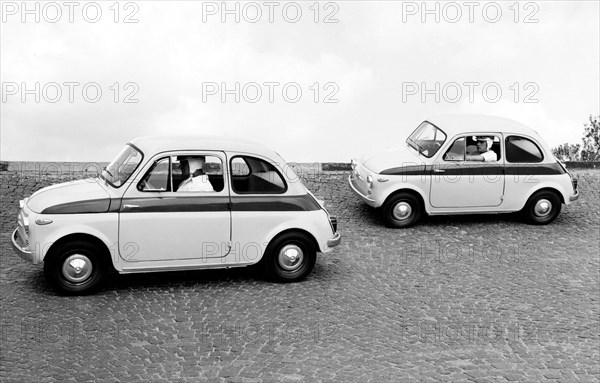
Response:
column 273, row 203
column 80, row 207
column 476, row 170
column 174, row 204
column 535, row 169
column 238, row 203
column 410, row 170
column 188, row 204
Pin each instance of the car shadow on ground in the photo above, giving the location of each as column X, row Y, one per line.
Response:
column 250, row 275
column 472, row 219
column 114, row 282
column 190, row 278
column 373, row 216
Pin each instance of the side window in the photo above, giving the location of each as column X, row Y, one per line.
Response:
column 250, row 175
column 521, row 149
column 456, row 151
column 463, row 147
column 157, row 177
column 484, row 145
column 197, row 173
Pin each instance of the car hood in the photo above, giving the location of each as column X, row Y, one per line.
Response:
column 391, row 159
column 82, row 196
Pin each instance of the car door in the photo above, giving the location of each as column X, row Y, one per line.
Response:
column 458, row 183
column 159, row 223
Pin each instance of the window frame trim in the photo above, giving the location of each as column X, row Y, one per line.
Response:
column 169, row 178
column 221, row 155
column 500, row 159
column 464, row 159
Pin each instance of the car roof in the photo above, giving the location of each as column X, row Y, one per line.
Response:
column 453, row 125
column 151, row 145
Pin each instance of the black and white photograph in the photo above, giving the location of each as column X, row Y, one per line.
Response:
column 300, row 191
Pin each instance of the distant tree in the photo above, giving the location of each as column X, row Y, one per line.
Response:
column 591, row 140
column 567, row 152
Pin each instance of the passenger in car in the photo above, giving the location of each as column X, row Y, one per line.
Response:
column 195, row 178
column 484, row 152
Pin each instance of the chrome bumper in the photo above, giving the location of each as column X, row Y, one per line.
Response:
column 21, row 251
column 574, row 197
column 368, row 200
column 335, row 240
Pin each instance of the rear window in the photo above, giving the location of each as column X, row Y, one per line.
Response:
column 521, row 150
column 251, row 175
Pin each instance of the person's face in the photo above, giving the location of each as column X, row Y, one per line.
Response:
column 481, row 146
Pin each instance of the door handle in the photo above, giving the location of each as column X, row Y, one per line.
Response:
column 130, row 206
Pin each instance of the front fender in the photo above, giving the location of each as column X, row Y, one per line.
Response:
column 418, row 185
column 102, row 226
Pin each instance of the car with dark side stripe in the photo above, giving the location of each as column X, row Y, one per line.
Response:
column 441, row 170
column 176, row 203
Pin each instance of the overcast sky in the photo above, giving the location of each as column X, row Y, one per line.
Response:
column 368, row 72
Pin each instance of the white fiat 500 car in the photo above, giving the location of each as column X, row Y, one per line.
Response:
column 464, row 165
column 179, row 203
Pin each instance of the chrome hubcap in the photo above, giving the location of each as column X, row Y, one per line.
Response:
column 542, row 208
column 402, row 210
column 290, row 257
column 77, row 268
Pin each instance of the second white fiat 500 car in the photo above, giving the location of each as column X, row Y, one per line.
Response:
column 465, row 165
column 178, row 203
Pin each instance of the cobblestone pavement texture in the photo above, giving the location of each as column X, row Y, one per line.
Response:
column 482, row 298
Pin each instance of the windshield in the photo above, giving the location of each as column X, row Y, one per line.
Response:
column 123, row 166
column 426, row 139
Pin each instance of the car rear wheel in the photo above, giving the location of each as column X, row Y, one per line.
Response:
column 290, row 257
column 401, row 210
column 75, row 268
column 542, row 208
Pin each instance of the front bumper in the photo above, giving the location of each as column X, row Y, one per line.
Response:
column 335, row 240
column 19, row 248
column 574, row 197
column 369, row 201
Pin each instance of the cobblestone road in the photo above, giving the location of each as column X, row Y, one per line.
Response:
column 471, row 298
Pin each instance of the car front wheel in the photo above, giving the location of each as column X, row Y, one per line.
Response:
column 401, row 210
column 74, row 268
column 290, row 257
column 542, row 208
